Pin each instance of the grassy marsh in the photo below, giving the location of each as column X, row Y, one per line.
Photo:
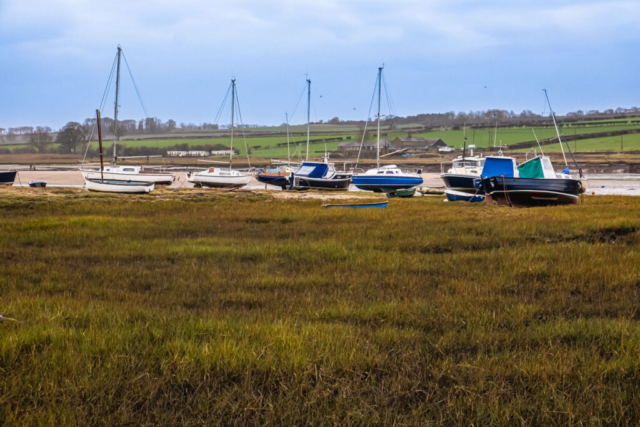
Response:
column 220, row 308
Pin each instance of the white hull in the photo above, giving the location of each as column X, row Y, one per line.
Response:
column 230, row 181
column 118, row 188
column 156, row 178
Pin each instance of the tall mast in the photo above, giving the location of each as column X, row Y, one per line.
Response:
column 100, row 145
column 233, row 110
column 553, row 115
column 115, row 109
column 308, row 114
column 288, row 150
column 379, row 94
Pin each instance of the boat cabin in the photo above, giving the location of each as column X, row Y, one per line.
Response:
column 538, row 167
column 499, row 165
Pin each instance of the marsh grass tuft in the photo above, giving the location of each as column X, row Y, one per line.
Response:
column 222, row 308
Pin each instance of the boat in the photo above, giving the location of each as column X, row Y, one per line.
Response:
column 114, row 185
column 7, row 177
column 459, row 196
column 386, row 179
column 218, row 177
column 279, row 177
column 532, row 183
column 119, row 186
column 38, row 184
column 402, row 193
column 319, row 176
column 359, row 205
column 125, row 173
column 463, row 172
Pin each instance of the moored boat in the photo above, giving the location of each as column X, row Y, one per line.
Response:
column 118, row 186
column 280, row 177
column 319, row 176
column 359, row 205
column 38, row 183
column 219, row 178
column 463, row 172
column 459, row 196
column 7, row 177
column 126, row 173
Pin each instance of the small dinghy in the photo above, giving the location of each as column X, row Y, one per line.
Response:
column 359, row 205
column 402, row 192
column 38, row 184
column 460, row 196
column 119, row 186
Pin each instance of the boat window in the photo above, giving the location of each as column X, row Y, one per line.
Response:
column 380, row 172
column 457, row 164
column 128, row 170
column 546, row 163
column 390, row 172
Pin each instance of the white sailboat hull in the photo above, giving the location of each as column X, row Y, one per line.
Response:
column 111, row 186
column 219, row 181
column 156, row 178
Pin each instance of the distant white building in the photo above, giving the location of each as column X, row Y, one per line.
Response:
column 187, row 153
column 221, row 153
column 446, row 149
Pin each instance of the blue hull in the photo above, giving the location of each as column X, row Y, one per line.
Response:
column 462, row 183
column 458, row 196
column 359, row 206
column 278, row 181
column 385, row 184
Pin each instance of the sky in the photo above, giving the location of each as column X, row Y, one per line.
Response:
column 439, row 55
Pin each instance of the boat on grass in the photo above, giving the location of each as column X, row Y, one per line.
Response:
column 119, row 186
column 279, row 177
column 359, row 205
column 463, row 172
column 402, row 193
column 38, row 184
column 460, row 196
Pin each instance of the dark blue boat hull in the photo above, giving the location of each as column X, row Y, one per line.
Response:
column 462, row 183
column 359, row 206
column 7, row 177
column 278, row 181
column 385, row 184
column 528, row 192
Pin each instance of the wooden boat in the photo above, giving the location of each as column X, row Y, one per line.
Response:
column 119, row 186
column 7, row 177
column 38, row 184
column 359, row 205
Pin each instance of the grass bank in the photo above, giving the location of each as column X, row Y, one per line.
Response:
column 220, row 308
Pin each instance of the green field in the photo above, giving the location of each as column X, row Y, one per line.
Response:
column 219, row 308
column 482, row 138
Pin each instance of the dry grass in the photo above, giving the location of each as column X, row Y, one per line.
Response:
column 235, row 308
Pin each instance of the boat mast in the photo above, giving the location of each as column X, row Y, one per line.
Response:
column 233, row 106
column 308, row 114
column 115, row 109
column 379, row 93
column 553, row 115
column 288, row 149
column 100, row 144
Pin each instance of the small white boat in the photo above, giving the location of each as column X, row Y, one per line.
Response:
column 219, row 177
column 127, row 173
column 119, row 186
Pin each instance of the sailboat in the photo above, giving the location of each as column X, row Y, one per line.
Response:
column 222, row 177
column 116, row 172
column 318, row 175
column 114, row 185
column 389, row 178
column 532, row 183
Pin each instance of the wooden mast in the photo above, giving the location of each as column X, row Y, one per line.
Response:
column 100, row 144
